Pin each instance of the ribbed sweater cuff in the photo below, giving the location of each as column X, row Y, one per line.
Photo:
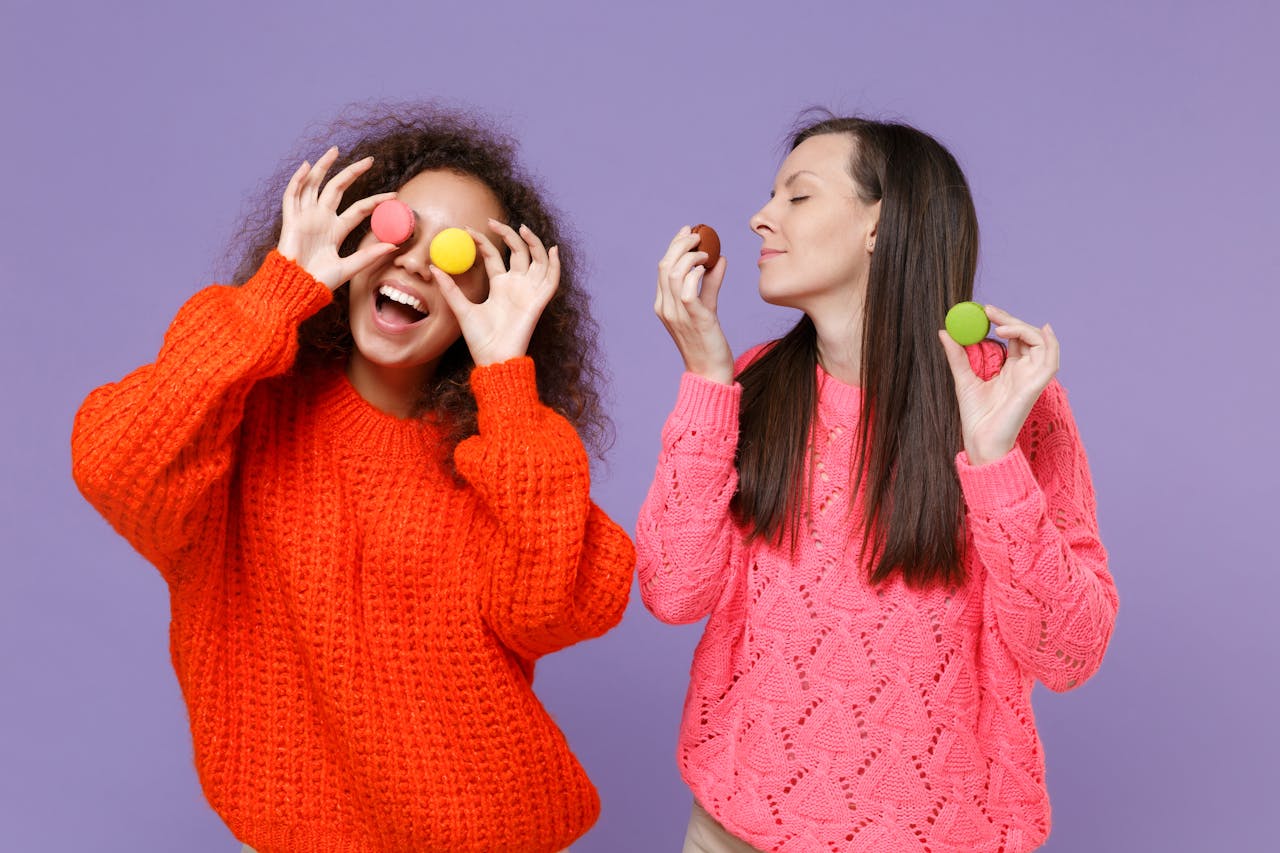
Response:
column 281, row 288
column 997, row 485
column 508, row 388
column 708, row 404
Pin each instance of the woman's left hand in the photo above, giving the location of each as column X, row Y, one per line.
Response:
column 499, row 328
column 992, row 412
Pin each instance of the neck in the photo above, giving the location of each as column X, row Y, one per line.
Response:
column 839, row 329
column 392, row 390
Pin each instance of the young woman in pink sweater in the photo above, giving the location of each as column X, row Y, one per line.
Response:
column 893, row 536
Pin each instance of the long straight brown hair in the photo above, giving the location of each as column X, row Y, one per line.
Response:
column 924, row 261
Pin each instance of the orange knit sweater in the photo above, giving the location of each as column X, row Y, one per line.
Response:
column 354, row 631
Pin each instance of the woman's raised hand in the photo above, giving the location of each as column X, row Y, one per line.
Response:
column 686, row 305
column 500, row 328
column 311, row 230
column 992, row 412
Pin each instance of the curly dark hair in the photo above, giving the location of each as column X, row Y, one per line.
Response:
column 405, row 140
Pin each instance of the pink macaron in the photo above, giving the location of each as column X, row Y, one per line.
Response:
column 392, row 221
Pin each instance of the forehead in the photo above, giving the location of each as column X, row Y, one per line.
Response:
column 827, row 155
column 450, row 195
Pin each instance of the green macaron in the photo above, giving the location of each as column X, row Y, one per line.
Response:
column 967, row 323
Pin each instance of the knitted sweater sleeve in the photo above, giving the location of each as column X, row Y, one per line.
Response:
column 1034, row 521
column 688, row 546
column 154, row 452
column 560, row 570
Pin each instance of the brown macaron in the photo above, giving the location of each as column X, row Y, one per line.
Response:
column 709, row 243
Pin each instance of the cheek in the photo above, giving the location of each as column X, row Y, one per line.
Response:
column 841, row 245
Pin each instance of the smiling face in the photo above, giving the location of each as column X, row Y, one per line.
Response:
column 818, row 234
column 399, row 320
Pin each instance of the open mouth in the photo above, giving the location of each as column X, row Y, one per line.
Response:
column 397, row 308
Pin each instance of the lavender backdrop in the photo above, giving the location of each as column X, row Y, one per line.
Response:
column 1123, row 157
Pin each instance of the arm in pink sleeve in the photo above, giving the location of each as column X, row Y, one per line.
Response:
column 686, row 541
column 1034, row 521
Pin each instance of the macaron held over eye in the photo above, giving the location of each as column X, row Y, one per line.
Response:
column 393, row 221
column 452, row 250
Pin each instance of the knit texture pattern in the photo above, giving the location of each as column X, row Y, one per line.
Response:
column 824, row 714
column 355, row 630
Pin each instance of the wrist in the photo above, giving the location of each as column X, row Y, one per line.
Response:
column 984, row 455
column 492, row 357
column 717, row 371
column 719, row 377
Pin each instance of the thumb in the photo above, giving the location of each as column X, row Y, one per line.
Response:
column 957, row 359
column 711, row 284
column 362, row 259
column 457, row 301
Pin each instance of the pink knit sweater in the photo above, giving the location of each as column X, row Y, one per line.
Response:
column 824, row 714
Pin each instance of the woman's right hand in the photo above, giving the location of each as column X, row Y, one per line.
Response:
column 689, row 311
column 312, row 231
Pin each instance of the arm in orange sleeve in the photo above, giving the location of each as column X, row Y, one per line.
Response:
column 155, row 451
column 561, row 571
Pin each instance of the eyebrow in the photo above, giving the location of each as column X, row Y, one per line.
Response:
column 793, row 177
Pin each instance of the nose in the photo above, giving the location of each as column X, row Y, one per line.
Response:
column 413, row 256
column 761, row 223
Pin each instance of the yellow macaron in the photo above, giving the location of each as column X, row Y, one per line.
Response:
column 453, row 251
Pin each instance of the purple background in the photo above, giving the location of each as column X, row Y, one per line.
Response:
column 1124, row 162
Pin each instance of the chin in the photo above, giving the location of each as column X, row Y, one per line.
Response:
column 802, row 295
column 782, row 300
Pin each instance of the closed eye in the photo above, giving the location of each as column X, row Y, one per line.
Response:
column 797, row 199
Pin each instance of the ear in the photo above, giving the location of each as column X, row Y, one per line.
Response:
column 875, row 227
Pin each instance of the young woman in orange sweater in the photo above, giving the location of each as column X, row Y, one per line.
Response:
column 363, row 481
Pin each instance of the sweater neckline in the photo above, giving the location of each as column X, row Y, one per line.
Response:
column 360, row 425
column 837, row 392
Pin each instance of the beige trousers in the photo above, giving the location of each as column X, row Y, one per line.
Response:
column 706, row 835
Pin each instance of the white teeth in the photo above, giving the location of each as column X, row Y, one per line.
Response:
column 401, row 297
